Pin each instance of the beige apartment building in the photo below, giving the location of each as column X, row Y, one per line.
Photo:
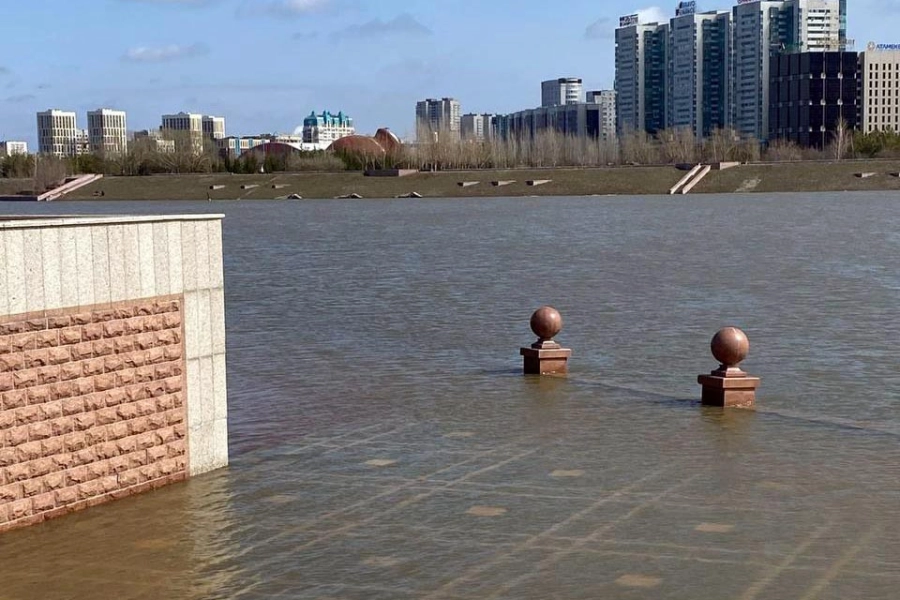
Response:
column 57, row 133
column 880, row 77
column 107, row 131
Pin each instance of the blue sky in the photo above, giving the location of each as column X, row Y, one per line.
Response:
column 265, row 64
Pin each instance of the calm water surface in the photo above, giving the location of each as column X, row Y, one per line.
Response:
column 384, row 444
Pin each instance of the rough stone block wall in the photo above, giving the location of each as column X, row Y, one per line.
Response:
column 92, row 406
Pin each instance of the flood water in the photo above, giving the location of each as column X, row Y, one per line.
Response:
column 385, row 445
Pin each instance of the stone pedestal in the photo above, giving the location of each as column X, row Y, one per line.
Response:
column 546, row 359
column 728, row 391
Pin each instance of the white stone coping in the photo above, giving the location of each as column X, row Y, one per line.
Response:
column 32, row 221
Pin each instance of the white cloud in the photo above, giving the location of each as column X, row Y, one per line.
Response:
column 283, row 8
column 601, row 29
column 172, row 2
column 171, row 52
column 653, row 14
column 403, row 25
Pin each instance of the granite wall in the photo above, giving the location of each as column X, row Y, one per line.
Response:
column 112, row 359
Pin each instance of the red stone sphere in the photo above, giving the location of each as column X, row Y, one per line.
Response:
column 730, row 346
column 546, row 322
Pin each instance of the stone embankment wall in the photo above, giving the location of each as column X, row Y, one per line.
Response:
column 112, row 360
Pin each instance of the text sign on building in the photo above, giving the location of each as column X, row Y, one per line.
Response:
column 628, row 20
column 686, row 8
column 882, row 47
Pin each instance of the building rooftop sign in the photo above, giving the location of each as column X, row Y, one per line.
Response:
column 628, row 20
column 873, row 47
column 686, row 8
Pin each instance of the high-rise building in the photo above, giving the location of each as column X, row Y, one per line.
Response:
column 477, row 127
column 57, row 133
column 325, row 128
column 213, row 127
column 765, row 29
column 641, row 64
column 842, row 8
column 879, row 69
column 571, row 120
column 565, row 90
column 107, row 131
column 437, row 118
column 820, row 25
column 813, row 94
column 154, row 140
column 190, row 122
column 761, row 30
column 10, row 147
column 606, row 102
column 699, row 71
column 198, row 128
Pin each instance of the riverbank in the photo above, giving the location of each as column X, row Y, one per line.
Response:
column 753, row 178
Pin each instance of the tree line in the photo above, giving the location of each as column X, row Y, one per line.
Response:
column 546, row 148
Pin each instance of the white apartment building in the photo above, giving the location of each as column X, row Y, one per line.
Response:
column 153, row 138
column 565, row 90
column 82, row 142
column 763, row 29
column 326, row 128
column 182, row 121
column 880, row 69
column 213, row 127
column 476, row 127
column 819, row 25
column 641, row 60
column 606, row 101
column 10, row 147
column 198, row 126
column 57, row 133
column 698, row 80
column 437, row 117
column 107, row 131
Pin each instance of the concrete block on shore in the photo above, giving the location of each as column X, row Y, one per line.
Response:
column 466, row 184
column 217, row 187
column 249, row 186
column 390, row 172
column 537, row 182
column 503, row 183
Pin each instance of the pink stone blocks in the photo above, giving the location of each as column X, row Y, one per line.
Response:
column 92, row 407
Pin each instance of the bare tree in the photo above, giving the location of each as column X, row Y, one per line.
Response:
column 842, row 140
column 49, row 172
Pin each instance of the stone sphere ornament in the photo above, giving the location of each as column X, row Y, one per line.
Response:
column 545, row 356
column 730, row 347
column 546, row 323
column 728, row 386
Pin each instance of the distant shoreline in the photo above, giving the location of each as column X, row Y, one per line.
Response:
column 837, row 176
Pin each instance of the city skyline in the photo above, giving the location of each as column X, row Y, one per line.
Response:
column 159, row 56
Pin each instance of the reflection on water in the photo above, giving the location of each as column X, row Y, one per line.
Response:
column 385, row 446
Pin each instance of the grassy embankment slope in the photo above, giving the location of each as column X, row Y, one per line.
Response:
column 758, row 178
column 566, row 182
column 15, row 186
column 803, row 177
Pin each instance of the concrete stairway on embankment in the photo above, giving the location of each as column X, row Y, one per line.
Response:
column 69, row 186
column 689, row 181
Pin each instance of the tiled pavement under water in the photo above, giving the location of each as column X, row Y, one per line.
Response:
column 637, row 498
column 385, row 446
